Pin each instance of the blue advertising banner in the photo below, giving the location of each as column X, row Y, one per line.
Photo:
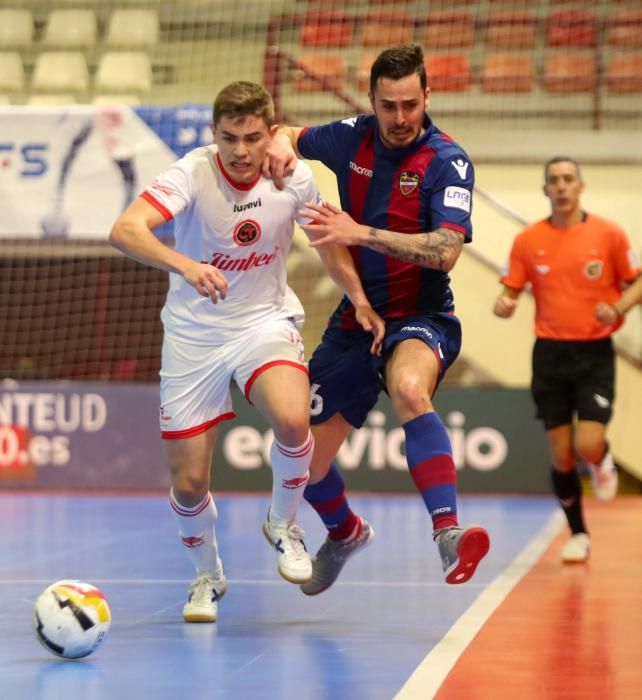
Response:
column 66, row 435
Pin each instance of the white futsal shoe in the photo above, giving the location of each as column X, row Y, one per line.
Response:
column 294, row 561
column 204, row 594
column 577, row 549
column 604, row 478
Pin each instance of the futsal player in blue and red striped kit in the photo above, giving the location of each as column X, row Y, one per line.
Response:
column 406, row 193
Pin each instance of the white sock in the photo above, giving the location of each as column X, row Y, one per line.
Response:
column 289, row 478
column 196, row 530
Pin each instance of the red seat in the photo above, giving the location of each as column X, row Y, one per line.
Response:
column 575, row 3
column 507, row 72
column 330, row 67
column 448, row 72
column 511, row 30
column 624, row 73
column 570, row 73
column 571, row 28
column 363, row 70
column 387, row 29
column 624, row 28
column 332, row 29
column 448, row 30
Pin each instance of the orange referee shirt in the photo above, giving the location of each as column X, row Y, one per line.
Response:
column 570, row 270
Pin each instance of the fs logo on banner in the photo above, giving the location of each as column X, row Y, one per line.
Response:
column 29, row 158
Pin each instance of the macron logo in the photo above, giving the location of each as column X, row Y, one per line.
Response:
column 360, row 170
column 461, row 167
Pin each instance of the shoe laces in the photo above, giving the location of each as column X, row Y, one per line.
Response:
column 204, row 590
column 295, row 535
column 445, row 533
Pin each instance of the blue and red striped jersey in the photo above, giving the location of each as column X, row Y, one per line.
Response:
column 422, row 187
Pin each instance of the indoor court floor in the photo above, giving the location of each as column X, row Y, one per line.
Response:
column 524, row 627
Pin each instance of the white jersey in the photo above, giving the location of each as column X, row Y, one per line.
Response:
column 243, row 230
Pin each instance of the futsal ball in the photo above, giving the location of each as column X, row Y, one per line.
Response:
column 55, row 225
column 71, row 618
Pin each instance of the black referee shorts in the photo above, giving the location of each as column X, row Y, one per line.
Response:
column 573, row 378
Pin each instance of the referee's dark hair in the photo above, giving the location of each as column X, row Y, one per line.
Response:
column 562, row 159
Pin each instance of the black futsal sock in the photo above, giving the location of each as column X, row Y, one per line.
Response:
column 568, row 489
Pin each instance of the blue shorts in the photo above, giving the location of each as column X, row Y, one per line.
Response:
column 344, row 376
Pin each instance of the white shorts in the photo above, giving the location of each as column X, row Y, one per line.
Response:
column 195, row 379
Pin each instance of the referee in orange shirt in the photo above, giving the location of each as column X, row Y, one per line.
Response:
column 574, row 262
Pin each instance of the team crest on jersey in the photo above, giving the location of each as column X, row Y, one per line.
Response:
column 593, row 269
column 247, row 232
column 408, row 182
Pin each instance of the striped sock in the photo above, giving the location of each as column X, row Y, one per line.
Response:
column 328, row 498
column 432, row 468
column 196, row 530
column 289, row 476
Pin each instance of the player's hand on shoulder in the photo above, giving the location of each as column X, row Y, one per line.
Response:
column 331, row 225
column 504, row 306
column 606, row 314
column 370, row 321
column 280, row 160
column 206, row 280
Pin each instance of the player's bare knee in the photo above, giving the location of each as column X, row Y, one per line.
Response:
column 564, row 461
column 292, row 431
column 410, row 397
column 189, row 490
column 591, row 452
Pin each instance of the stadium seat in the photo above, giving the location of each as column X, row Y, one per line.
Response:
column 571, row 28
column 70, row 28
column 448, row 30
column 124, row 71
column 50, row 99
column 106, row 100
column 387, row 29
column 330, row 29
column 330, row 67
column 362, row 73
column 624, row 73
column 624, row 29
column 566, row 73
column 448, row 72
column 60, row 71
column 511, row 30
column 507, row 72
column 16, row 28
column 135, row 28
column 12, row 72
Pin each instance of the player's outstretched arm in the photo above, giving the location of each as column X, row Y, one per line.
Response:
column 340, row 266
column 609, row 314
column 436, row 250
column 506, row 302
column 282, row 155
column 133, row 235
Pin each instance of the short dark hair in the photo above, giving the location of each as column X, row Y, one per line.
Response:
column 244, row 99
column 561, row 159
column 398, row 62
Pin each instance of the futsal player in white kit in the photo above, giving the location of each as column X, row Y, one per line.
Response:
column 230, row 316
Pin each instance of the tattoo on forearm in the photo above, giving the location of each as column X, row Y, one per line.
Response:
column 437, row 250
